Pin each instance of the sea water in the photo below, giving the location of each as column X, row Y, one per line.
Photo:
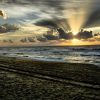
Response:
column 79, row 54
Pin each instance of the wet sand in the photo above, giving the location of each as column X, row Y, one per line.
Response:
column 25, row 79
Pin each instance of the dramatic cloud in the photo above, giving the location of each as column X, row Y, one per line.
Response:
column 3, row 14
column 28, row 11
column 84, row 34
column 47, row 23
column 52, row 14
column 8, row 28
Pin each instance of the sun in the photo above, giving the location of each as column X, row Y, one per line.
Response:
column 75, row 33
column 76, row 41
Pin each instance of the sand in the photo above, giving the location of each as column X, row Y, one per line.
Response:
column 25, row 79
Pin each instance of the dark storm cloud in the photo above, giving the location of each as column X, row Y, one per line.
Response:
column 1, row 13
column 47, row 23
column 84, row 34
column 28, row 39
column 50, row 37
column 8, row 28
column 54, row 23
column 97, row 34
column 41, row 39
column 62, row 34
column 31, row 39
column 24, row 40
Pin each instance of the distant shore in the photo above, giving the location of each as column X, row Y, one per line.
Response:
column 85, row 76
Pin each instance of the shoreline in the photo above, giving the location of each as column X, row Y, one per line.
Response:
column 48, row 60
column 43, row 60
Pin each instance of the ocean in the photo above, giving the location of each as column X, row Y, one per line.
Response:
column 75, row 54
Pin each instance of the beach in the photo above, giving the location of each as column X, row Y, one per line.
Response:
column 27, row 79
column 49, row 49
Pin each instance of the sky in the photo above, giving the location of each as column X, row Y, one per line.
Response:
column 34, row 18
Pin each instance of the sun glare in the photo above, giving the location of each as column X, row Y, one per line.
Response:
column 75, row 33
column 76, row 41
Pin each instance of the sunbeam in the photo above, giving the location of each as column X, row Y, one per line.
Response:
column 80, row 13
